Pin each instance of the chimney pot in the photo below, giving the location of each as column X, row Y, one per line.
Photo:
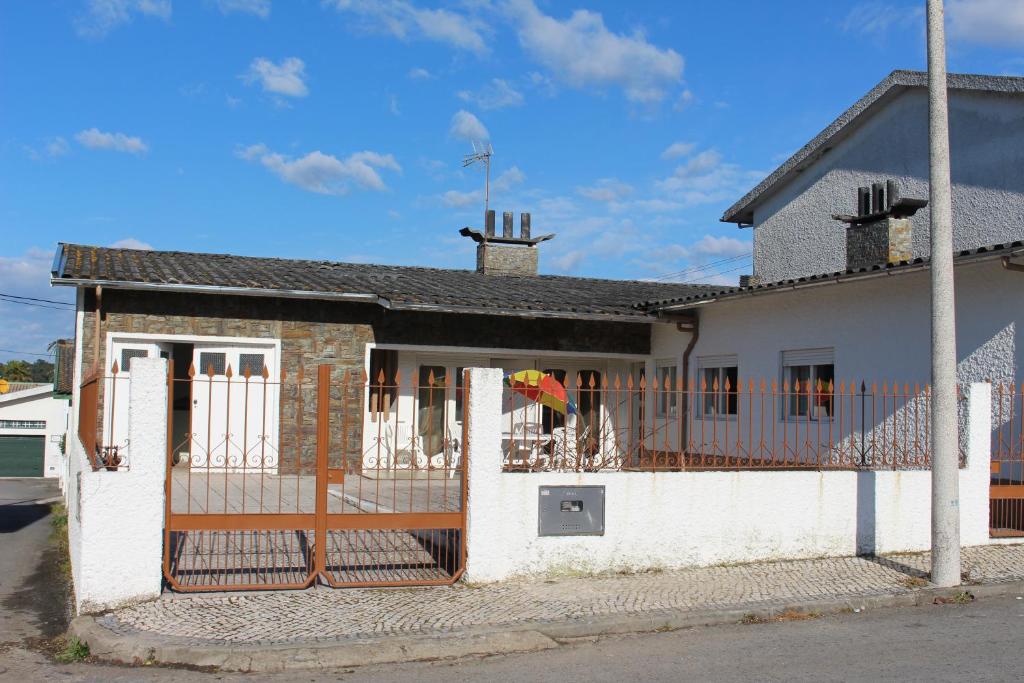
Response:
column 877, row 198
column 506, row 225
column 489, row 223
column 863, row 201
column 524, row 226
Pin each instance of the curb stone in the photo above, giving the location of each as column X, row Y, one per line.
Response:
column 524, row 637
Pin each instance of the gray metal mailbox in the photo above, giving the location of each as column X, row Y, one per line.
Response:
column 571, row 511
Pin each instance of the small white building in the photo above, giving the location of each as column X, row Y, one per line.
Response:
column 33, row 421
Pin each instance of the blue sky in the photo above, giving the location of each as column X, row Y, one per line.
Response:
column 335, row 129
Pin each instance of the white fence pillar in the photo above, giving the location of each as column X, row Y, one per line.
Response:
column 118, row 516
column 483, row 455
column 975, row 478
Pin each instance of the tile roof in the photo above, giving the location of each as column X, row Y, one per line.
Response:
column 895, row 82
column 396, row 287
column 712, row 294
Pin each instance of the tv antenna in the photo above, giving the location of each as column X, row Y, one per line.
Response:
column 482, row 153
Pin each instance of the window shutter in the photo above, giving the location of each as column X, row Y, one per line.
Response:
column 724, row 361
column 808, row 357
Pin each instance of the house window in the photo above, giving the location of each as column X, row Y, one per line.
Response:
column 382, row 394
column 668, row 396
column 22, row 424
column 808, row 376
column 128, row 354
column 253, row 362
column 212, row 363
column 717, row 390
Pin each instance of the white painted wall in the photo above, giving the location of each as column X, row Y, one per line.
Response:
column 680, row 519
column 795, row 235
column 879, row 328
column 39, row 404
column 115, row 519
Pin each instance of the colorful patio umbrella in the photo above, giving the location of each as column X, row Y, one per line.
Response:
column 543, row 388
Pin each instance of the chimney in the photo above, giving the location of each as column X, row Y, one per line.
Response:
column 506, row 254
column 881, row 232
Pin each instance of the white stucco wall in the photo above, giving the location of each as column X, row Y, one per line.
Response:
column 39, row 404
column 879, row 328
column 795, row 235
column 115, row 519
column 678, row 519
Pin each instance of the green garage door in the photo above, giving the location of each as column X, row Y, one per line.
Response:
column 21, row 456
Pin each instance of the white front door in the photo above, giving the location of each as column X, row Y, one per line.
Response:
column 234, row 407
column 114, row 431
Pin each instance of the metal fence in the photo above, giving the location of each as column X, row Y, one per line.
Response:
column 102, row 420
column 627, row 424
column 1006, row 500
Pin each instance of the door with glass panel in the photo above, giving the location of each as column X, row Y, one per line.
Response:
column 234, row 408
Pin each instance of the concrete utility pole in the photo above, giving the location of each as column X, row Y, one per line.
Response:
column 945, row 456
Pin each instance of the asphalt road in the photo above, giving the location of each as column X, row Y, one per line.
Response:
column 982, row 641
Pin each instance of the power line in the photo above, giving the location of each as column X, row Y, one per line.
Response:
column 29, row 303
column 30, row 298
column 721, row 272
column 25, row 353
column 696, row 269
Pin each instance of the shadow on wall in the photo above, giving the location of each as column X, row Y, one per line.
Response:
column 866, row 505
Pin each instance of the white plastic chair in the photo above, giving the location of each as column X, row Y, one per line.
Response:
column 529, row 438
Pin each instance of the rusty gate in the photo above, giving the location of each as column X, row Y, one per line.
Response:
column 278, row 482
column 1006, row 491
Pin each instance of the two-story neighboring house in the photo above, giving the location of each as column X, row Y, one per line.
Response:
column 884, row 136
column 836, row 298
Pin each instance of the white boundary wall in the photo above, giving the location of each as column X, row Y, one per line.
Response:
column 680, row 519
column 115, row 519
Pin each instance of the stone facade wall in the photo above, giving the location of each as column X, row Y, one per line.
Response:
column 497, row 259
column 334, row 333
column 878, row 243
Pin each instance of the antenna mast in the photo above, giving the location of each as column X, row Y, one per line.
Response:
column 482, row 152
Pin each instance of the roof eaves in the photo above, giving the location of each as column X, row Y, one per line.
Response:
column 965, row 256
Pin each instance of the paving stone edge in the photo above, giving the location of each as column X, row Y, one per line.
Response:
column 522, row 637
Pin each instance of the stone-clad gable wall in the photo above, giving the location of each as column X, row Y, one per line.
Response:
column 336, row 333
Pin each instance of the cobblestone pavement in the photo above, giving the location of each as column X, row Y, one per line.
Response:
column 324, row 614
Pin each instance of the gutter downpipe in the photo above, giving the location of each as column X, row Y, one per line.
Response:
column 96, row 332
column 694, row 330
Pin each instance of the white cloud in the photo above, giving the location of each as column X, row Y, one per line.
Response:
column 582, row 52
column 53, row 148
column 405, row 20
column 495, row 95
column 999, row 23
column 605, row 190
column 684, row 100
column 678, row 149
column 420, row 74
column 261, row 8
column 132, row 243
column 324, row 173
column 457, row 200
column 57, row 147
column 94, row 138
column 466, row 126
column 32, row 328
column 507, row 180
column 286, row 78
column 393, row 105
column 705, row 177
column 876, row 18
column 103, row 16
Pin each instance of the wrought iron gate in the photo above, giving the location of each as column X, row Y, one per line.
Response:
column 277, row 483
